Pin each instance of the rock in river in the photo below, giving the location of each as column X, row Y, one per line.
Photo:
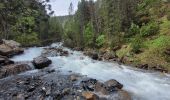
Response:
column 41, row 62
column 10, row 48
column 13, row 69
column 90, row 96
column 5, row 61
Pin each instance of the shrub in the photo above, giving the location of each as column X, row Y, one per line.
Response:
column 149, row 29
column 100, row 40
column 136, row 44
column 134, row 29
column 28, row 39
column 168, row 16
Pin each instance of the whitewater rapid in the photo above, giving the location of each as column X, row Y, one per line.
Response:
column 141, row 84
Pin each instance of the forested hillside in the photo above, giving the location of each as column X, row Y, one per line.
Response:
column 138, row 31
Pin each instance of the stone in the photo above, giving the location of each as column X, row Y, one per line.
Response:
column 89, row 84
column 110, row 56
column 90, row 96
column 100, row 88
column 73, row 78
column 124, row 95
column 5, row 61
column 13, row 69
column 41, row 62
column 11, row 43
column 113, row 85
column 52, row 52
column 6, row 50
column 94, row 55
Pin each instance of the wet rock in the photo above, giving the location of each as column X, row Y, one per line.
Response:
column 52, row 52
column 123, row 95
column 105, row 88
column 5, row 61
column 101, row 88
column 41, row 62
column 13, row 69
column 113, row 85
column 94, row 55
column 89, row 84
column 73, row 77
column 90, row 96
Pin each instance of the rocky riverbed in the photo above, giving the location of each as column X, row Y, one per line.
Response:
column 36, row 80
column 58, row 73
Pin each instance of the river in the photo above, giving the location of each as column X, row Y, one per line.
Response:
column 141, row 84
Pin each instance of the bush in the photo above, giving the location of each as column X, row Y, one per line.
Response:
column 134, row 29
column 136, row 44
column 168, row 16
column 149, row 29
column 28, row 39
column 100, row 40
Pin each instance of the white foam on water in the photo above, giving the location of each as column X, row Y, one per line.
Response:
column 28, row 54
column 142, row 85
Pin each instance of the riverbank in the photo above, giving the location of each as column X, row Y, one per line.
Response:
column 121, row 56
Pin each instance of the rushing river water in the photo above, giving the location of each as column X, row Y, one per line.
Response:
column 141, row 84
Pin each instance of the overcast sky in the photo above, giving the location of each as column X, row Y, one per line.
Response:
column 61, row 6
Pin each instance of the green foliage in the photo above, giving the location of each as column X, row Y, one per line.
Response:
column 88, row 35
column 136, row 44
column 28, row 39
column 160, row 43
column 168, row 16
column 134, row 29
column 149, row 29
column 22, row 18
column 100, row 40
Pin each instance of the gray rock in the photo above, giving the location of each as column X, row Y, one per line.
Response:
column 41, row 62
column 13, row 69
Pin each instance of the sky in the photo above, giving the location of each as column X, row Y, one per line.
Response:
column 60, row 7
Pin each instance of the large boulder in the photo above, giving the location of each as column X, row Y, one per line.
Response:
column 13, row 69
column 106, row 88
column 11, row 43
column 10, row 48
column 113, row 85
column 5, row 61
column 41, row 62
column 5, row 50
